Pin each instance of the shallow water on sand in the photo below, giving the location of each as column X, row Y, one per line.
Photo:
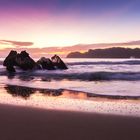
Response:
column 68, row 100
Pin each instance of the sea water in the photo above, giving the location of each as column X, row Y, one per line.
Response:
column 98, row 76
column 89, row 85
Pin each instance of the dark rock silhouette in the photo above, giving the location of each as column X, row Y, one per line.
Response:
column 10, row 59
column 58, row 63
column 22, row 60
column 45, row 63
column 10, row 62
column 116, row 52
column 11, row 69
column 25, row 62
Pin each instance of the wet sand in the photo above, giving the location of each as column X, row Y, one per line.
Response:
column 22, row 123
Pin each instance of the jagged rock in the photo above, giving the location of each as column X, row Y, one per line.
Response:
column 10, row 62
column 10, row 59
column 45, row 63
column 58, row 63
column 24, row 61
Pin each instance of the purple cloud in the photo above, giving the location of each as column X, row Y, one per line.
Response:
column 16, row 44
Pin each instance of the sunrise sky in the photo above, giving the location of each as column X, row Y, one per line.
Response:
column 59, row 23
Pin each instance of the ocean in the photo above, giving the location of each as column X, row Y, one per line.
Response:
column 98, row 76
column 109, row 79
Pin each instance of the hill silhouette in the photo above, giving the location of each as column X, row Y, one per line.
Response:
column 115, row 52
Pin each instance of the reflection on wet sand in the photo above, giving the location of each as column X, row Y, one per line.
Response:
column 26, row 92
column 66, row 100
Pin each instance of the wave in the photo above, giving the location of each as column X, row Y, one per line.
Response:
column 92, row 76
column 131, row 62
column 82, row 76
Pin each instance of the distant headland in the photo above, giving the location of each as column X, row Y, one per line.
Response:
column 116, row 52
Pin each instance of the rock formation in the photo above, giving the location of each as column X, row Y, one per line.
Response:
column 45, row 63
column 25, row 62
column 58, row 63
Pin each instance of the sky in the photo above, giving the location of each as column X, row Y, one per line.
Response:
column 60, row 23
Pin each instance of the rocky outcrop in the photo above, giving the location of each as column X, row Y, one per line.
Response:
column 45, row 63
column 58, row 63
column 25, row 62
column 10, row 62
column 22, row 60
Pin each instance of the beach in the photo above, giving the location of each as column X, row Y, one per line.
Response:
column 22, row 123
column 69, row 70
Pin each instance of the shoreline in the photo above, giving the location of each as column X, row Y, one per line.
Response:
column 39, row 124
column 60, row 92
column 67, row 101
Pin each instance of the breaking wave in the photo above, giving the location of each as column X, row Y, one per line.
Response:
column 82, row 76
column 90, row 76
column 86, row 73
